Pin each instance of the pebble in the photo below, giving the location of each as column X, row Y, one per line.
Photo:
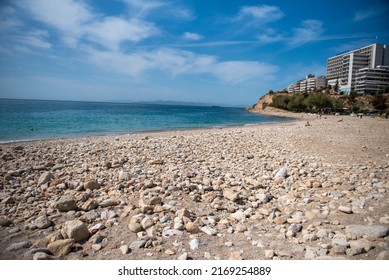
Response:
column 194, row 244
column 209, row 230
column 345, row 209
column 124, row 249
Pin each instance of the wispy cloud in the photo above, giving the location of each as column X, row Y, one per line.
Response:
column 309, row 30
column 192, row 36
column 142, row 9
column 178, row 62
column 365, row 14
column 257, row 15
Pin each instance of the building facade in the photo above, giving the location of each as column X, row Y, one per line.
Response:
column 372, row 80
column 309, row 84
column 342, row 69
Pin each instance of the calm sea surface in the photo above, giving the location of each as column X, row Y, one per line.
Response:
column 39, row 119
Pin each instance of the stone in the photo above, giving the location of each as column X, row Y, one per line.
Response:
column 124, row 249
column 169, row 252
column 41, row 256
column 147, row 222
column 76, row 230
column 138, row 244
column 310, row 237
column 5, row 222
column 124, row 175
column 66, row 203
column 89, row 205
column 374, row 231
column 231, row 194
column 383, row 255
column 97, row 247
column 61, row 247
column 194, row 244
column 263, row 198
column 192, row 227
column 269, row 254
column 209, row 230
column 322, row 233
column 109, row 203
column 18, row 246
column 135, row 227
column 45, row 178
column 281, row 174
column 183, row 257
column 294, row 229
column 384, row 220
column 42, row 222
column 345, row 209
column 33, row 251
column 183, row 213
column 238, row 215
column 148, row 183
column 361, row 244
column 279, row 220
column 339, row 249
column 91, row 185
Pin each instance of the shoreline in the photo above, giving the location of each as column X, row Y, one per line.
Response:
column 183, row 129
column 274, row 191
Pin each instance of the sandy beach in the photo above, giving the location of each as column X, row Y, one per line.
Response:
column 275, row 191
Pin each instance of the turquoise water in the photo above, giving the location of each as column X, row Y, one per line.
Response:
column 41, row 119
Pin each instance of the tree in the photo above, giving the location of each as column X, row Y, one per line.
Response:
column 379, row 102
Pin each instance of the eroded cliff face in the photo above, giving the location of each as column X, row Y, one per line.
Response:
column 264, row 102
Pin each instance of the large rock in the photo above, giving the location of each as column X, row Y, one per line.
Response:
column 358, row 231
column 45, row 178
column 66, row 203
column 18, row 246
column 43, row 222
column 76, row 230
column 91, row 185
column 61, row 247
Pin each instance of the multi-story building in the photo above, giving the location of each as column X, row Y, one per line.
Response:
column 342, row 69
column 309, row 84
column 372, row 80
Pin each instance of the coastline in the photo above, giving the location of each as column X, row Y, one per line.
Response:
column 270, row 191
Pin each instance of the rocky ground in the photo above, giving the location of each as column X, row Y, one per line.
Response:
column 281, row 191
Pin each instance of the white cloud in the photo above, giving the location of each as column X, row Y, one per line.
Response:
column 266, row 39
column 142, row 8
column 310, row 30
column 111, row 31
column 178, row 62
column 259, row 14
column 67, row 16
column 362, row 15
column 192, row 36
column 36, row 39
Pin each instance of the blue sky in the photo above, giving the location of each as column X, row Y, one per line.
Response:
column 220, row 51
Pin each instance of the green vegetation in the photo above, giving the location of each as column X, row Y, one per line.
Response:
column 379, row 102
column 301, row 102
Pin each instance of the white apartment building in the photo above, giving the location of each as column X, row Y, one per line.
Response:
column 309, row 84
column 372, row 80
column 342, row 69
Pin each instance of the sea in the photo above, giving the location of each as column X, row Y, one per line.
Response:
column 43, row 119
